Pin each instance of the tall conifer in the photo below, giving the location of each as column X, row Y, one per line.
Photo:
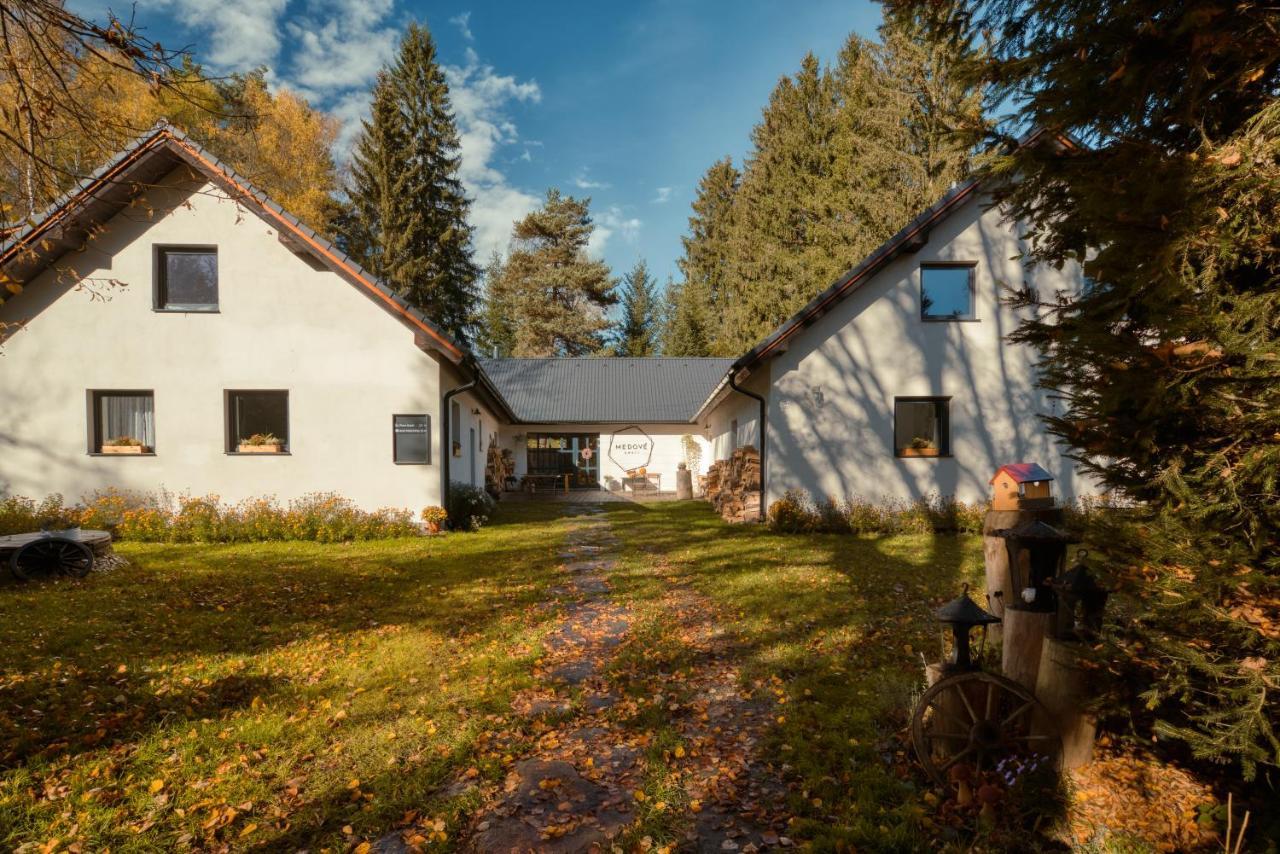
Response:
column 705, row 263
column 558, row 294
column 638, row 331
column 411, row 209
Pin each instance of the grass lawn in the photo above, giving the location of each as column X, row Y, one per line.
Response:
column 291, row 695
column 278, row 695
column 832, row 627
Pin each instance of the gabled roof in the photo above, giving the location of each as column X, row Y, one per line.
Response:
column 1022, row 473
column 28, row 251
column 604, row 390
column 908, row 239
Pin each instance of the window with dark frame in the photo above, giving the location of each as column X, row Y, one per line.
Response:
column 922, row 426
column 186, row 278
column 411, row 439
column 122, row 422
column 257, row 422
column 947, row 292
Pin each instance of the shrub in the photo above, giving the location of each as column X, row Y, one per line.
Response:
column 20, row 515
column 469, row 507
column 795, row 512
column 792, row 513
column 320, row 517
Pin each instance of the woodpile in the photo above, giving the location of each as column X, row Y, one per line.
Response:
column 733, row 486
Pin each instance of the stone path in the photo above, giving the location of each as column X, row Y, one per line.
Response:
column 576, row 790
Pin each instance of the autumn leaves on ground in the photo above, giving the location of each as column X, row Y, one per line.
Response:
column 643, row 671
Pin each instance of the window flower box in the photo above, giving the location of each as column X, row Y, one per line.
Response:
column 268, row 448
column 122, row 449
column 919, row 452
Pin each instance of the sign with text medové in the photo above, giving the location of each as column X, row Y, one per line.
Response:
column 631, row 448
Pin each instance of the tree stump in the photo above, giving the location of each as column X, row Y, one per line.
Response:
column 684, row 484
column 1022, row 645
column 1062, row 685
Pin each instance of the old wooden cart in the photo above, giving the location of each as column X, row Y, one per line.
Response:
column 43, row 553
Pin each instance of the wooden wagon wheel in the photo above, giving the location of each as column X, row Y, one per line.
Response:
column 47, row 556
column 979, row 719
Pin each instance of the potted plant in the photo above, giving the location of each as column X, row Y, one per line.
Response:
column 434, row 517
column 457, row 449
column 261, row 443
column 123, row 445
column 921, row 447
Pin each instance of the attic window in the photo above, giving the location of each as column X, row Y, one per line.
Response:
column 947, row 292
column 186, row 278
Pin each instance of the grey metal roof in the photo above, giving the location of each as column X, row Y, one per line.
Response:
column 605, row 390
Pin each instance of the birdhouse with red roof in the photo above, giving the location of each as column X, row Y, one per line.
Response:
column 1021, row 486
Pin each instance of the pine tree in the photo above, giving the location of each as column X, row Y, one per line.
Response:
column 495, row 335
column 705, row 263
column 638, row 330
column 410, row 204
column 1168, row 363
column 558, row 295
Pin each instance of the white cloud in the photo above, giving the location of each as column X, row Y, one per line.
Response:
column 463, row 23
column 582, row 182
column 340, row 46
column 662, row 196
column 612, row 220
column 481, row 99
column 242, row 34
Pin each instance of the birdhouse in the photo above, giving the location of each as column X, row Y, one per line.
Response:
column 1021, row 486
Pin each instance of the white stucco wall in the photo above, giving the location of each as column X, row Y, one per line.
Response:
column 668, row 449
column 831, row 397
column 477, row 421
column 347, row 364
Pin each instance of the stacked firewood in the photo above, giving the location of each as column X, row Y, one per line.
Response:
column 733, row 486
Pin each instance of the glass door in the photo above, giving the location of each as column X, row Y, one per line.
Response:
column 559, row 454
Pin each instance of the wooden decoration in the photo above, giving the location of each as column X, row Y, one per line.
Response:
column 1062, row 686
column 1022, row 643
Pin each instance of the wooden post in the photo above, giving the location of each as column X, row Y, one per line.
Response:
column 1023, row 643
column 1062, row 686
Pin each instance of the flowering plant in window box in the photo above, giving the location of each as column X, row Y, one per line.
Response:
column 261, row 443
column 457, row 449
column 434, row 517
column 921, row 447
column 123, row 445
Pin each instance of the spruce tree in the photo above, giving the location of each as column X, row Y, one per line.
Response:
column 1167, row 365
column 411, row 209
column 558, row 295
column 705, row 263
column 778, row 261
column 638, row 330
column 495, row 333
column 842, row 159
column 687, row 323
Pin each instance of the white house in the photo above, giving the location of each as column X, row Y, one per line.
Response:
column 897, row 381
column 177, row 330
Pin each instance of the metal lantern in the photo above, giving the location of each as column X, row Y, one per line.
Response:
column 1081, row 601
column 1037, row 552
column 963, row 615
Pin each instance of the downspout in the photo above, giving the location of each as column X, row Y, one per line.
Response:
column 764, row 437
column 447, row 449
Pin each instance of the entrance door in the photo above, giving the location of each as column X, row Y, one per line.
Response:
column 558, row 454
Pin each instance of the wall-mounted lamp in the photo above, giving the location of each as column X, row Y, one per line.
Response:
column 475, row 411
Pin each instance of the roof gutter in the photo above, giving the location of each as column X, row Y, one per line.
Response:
column 764, row 436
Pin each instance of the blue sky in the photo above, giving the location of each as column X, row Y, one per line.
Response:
column 627, row 103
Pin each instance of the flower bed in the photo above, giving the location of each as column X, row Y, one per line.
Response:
column 146, row 517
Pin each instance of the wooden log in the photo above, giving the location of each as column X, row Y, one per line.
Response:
column 1062, row 685
column 1022, row 644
